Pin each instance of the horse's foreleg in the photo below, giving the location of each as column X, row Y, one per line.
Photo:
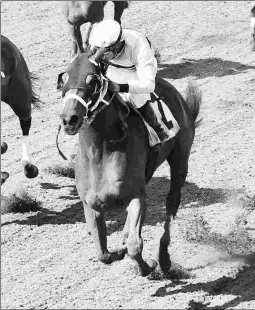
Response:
column 95, row 218
column 30, row 170
column 122, row 250
column 137, row 211
column 179, row 168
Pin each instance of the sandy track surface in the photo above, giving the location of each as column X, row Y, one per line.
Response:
column 48, row 257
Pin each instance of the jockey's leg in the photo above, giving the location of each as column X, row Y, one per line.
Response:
column 152, row 116
column 150, row 113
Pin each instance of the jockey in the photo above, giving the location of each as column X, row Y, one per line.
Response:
column 131, row 69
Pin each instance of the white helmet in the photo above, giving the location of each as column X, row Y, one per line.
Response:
column 107, row 32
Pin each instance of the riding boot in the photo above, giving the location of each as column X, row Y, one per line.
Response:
column 154, row 119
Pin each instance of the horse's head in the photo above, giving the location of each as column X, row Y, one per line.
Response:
column 83, row 87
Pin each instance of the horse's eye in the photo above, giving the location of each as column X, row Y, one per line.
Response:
column 90, row 81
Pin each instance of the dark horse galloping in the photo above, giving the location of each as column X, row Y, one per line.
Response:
column 78, row 13
column 16, row 91
column 112, row 169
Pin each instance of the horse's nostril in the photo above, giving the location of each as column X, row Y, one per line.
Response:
column 74, row 119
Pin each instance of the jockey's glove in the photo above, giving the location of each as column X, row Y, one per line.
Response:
column 122, row 88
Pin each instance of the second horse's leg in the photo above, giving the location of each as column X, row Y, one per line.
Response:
column 77, row 47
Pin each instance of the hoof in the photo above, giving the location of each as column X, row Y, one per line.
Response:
column 4, row 177
column 164, row 262
column 150, row 266
column 122, row 251
column 30, row 171
column 4, row 147
column 105, row 258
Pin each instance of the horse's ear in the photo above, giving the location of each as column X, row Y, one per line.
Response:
column 62, row 79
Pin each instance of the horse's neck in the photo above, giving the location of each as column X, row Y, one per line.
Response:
column 99, row 132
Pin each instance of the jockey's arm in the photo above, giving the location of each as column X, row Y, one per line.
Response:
column 146, row 66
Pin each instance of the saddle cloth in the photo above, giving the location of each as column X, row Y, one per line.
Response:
column 168, row 119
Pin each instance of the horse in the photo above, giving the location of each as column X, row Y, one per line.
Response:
column 252, row 30
column 17, row 92
column 78, row 13
column 114, row 160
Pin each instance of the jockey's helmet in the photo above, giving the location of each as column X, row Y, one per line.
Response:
column 107, row 32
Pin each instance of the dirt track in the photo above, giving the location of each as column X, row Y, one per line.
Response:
column 48, row 257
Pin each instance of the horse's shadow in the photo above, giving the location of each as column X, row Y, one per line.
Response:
column 242, row 285
column 201, row 68
column 157, row 190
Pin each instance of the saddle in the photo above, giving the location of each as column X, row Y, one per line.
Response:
column 163, row 109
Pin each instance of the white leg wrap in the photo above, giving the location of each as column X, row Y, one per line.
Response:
column 26, row 159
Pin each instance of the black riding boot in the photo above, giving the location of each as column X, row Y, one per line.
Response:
column 155, row 121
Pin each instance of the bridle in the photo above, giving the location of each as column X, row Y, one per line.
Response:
column 92, row 106
column 89, row 106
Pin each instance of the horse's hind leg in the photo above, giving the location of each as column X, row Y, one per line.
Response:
column 119, row 7
column 178, row 161
column 137, row 211
column 75, row 33
column 87, row 35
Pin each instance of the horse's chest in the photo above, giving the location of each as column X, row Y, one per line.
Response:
column 106, row 179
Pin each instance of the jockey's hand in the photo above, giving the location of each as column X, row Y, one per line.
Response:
column 112, row 86
column 115, row 87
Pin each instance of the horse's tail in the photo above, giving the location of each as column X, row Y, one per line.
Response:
column 194, row 99
column 36, row 101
